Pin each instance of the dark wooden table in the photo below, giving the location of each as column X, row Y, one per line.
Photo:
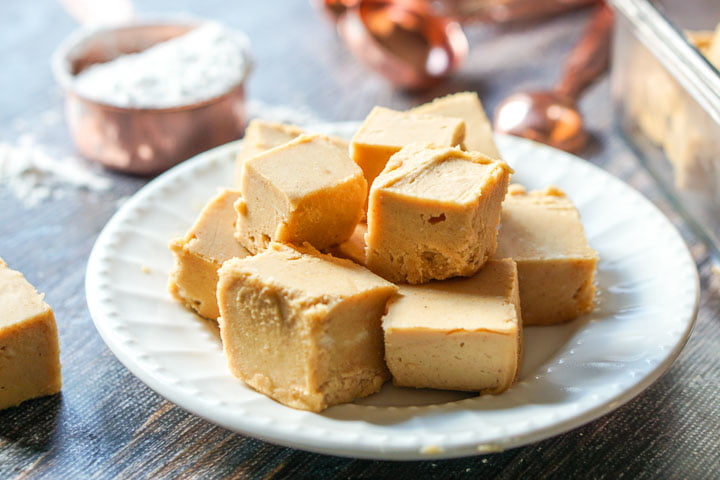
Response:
column 106, row 423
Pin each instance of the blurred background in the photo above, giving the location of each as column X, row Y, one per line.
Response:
column 326, row 80
column 54, row 203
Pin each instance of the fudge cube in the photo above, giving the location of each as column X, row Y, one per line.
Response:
column 433, row 214
column 307, row 190
column 541, row 231
column 29, row 349
column 713, row 48
column 459, row 334
column 259, row 137
column 467, row 107
column 303, row 327
column 386, row 131
column 354, row 247
column 201, row 252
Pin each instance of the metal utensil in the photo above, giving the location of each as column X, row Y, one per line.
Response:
column 415, row 43
column 552, row 116
column 404, row 41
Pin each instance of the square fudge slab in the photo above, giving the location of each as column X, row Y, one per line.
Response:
column 467, row 107
column 199, row 255
column 433, row 214
column 29, row 349
column 354, row 247
column 459, row 334
column 541, row 231
column 307, row 190
column 259, row 137
column 303, row 327
column 386, row 131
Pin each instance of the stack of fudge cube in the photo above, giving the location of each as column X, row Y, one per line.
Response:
column 334, row 267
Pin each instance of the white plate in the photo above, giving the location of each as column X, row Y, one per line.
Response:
column 571, row 375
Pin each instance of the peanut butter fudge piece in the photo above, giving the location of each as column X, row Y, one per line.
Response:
column 713, row 49
column 200, row 253
column 386, row 131
column 303, row 327
column 691, row 147
column 701, row 39
column 467, row 107
column 459, row 334
column 29, row 349
column 434, row 213
column 541, row 231
column 261, row 136
column 354, row 247
column 307, row 190
column 653, row 95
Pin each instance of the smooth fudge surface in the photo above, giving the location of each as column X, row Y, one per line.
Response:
column 433, row 214
column 200, row 253
column 467, row 107
column 386, row 131
column 459, row 334
column 303, row 327
column 261, row 136
column 542, row 232
column 306, row 190
column 29, row 347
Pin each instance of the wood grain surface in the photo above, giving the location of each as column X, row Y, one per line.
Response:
column 107, row 424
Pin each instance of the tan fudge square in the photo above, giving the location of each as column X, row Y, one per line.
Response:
column 29, row 349
column 433, row 214
column 303, row 327
column 386, row 131
column 713, row 49
column 541, row 231
column 354, row 247
column 259, row 137
column 200, row 253
column 467, row 107
column 307, row 190
column 459, row 334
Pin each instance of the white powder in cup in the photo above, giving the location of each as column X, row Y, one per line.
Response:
column 204, row 63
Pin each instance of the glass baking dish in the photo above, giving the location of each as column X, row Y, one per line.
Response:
column 666, row 91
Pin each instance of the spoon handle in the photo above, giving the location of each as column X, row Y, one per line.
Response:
column 590, row 57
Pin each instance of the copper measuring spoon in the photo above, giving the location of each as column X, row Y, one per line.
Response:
column 416, row 43
column 552, row 116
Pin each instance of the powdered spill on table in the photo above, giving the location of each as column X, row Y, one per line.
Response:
column 33, row 174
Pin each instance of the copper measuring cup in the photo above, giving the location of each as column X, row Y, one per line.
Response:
column 416, row 43
column 142, row 141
